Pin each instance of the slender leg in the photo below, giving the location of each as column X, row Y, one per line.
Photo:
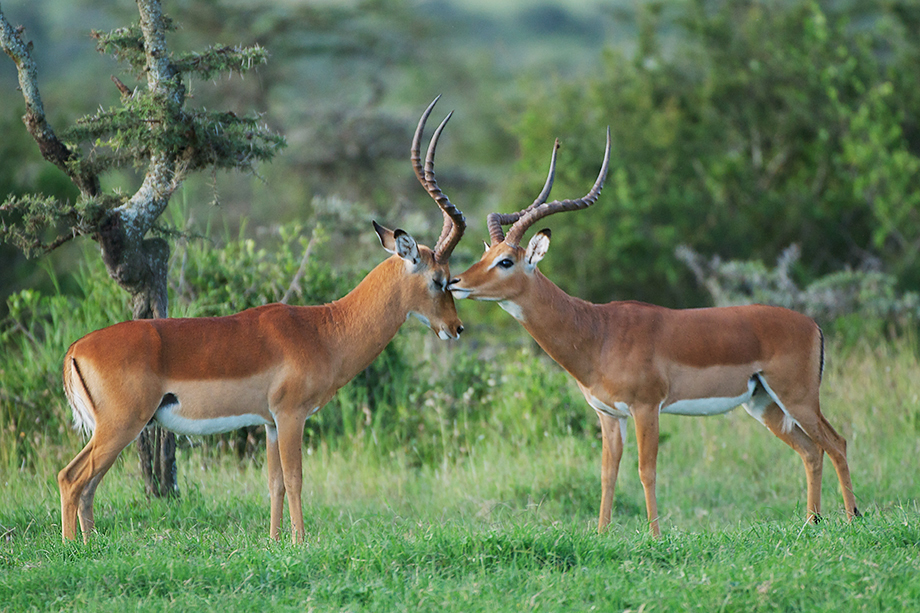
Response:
column 79, row 479
column 821, row 432
column 71, row 490
column 85, row 510
column 290, row 448
column 612, row 434
column 837, row 450
column 801, row 400
column 812, row 455
column 275, row 481
column 647, row 441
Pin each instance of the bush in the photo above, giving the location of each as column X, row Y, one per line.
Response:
column 758, row 125
column 852, row 303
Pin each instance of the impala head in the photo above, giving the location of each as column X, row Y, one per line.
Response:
column 506, row 268
column 427, row 269
column 425, row 283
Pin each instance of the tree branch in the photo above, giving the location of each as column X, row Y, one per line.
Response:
column 295, row 282
column 52, row 149
column 164, row 174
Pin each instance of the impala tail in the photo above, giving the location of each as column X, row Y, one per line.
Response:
column 81, row 403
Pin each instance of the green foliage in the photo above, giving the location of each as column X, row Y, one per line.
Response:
column 28, row 174
column 209, row 280
column 27, row 221
column 763, row 124
column 127, row 44
column 148, row 125
column 144, row 125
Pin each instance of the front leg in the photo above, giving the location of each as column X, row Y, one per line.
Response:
column 290, row 451
column 613, row 431
column 275, row 480
column 647, row 441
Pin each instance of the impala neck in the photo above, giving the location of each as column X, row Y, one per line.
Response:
column 366, row 319
column 569, row 329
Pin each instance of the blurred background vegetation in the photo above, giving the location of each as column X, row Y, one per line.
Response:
column 740, row 128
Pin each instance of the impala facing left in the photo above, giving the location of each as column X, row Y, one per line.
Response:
column 273, row 365
column 636, row 360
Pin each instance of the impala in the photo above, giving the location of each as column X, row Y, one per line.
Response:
column 274, row 365
column 638, row 360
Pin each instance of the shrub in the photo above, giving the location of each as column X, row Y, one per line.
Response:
column 850, row 302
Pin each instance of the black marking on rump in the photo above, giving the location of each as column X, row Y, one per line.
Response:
column 821, row 371
column 76, row 367
column 72, row 399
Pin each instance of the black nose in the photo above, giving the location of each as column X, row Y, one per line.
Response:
column 452, row 281
column 459, row 330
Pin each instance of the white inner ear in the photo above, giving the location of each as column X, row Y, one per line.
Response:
column 407, row 248
column 536, row 250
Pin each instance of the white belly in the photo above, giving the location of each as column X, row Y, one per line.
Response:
column 709, row 406
column 171, row 418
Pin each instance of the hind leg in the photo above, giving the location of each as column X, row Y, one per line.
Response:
column 85, row 510
column 71, row 490
column 818, row 428
column 770, row 415
column 79, row 479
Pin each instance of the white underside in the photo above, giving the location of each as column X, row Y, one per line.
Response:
column 758, row 405
column 512, row 309
column 620, row 410
column 168, row 417
column 444, row 335
column 709, row 406
column 755, row 405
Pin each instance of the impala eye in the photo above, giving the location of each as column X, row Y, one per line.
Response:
column 506, row 263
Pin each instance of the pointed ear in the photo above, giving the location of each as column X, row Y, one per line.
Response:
column 486, row 245
column 398, row 242
column 536, row 249
column 386, row 237
column 406, row 247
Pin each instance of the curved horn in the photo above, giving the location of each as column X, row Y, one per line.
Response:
column 415, row 155
column 454, row 221
column 495, row 221
column 534, row 213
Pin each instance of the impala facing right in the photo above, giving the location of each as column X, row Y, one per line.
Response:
column 638, row 360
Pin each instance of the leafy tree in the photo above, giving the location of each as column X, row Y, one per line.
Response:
column 757, row 125
column 151, row 131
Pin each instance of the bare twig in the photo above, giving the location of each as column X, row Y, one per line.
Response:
column 295, row 282
column 124, row 89
column 52, row 149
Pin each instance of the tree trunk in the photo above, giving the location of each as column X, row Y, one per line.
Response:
column 141, row 270
column 156, row 447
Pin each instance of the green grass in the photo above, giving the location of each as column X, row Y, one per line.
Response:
column 509, row 524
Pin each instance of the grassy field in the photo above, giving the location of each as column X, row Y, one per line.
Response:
column 506, row 527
